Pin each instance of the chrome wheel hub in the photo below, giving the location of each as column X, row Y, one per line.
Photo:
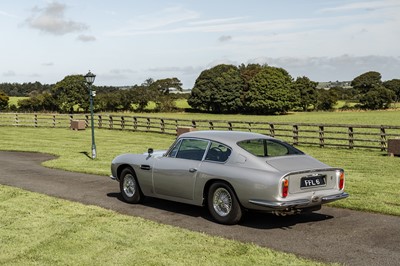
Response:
column 129, row 185
column 222, row 202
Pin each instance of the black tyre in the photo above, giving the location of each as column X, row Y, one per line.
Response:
column 129, row 186
column 223, row 204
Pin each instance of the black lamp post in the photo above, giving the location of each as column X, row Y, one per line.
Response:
column 89, row 80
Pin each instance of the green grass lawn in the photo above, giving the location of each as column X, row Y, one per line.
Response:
column 41, row 230
column 382, row 117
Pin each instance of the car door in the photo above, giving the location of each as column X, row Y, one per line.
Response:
column 174, row 175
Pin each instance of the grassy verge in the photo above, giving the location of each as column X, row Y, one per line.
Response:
column 40, row 230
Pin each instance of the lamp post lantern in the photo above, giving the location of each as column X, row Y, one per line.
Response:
column 89, row 77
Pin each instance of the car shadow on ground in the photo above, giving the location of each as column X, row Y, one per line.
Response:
column 257, row 220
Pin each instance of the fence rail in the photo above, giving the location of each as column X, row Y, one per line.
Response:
column 322, row 135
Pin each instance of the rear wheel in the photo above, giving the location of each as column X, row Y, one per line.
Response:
column 129, row 186
column 223, row 204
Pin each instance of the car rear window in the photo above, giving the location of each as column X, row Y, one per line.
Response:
column 268, row 147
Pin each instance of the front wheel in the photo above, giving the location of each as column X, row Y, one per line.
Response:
column 129, row 187
column 223, row 204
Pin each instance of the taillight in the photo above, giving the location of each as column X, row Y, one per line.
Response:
column 341, row 179
column 285, row 187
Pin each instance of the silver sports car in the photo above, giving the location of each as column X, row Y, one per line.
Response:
column 230, row 172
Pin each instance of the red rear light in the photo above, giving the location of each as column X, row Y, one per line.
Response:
column 341, row 180
column 285, row 188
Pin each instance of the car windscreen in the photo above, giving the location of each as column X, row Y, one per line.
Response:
column 268, row 147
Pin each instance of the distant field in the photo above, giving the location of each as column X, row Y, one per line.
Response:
column 14, row 100
column 388, row 117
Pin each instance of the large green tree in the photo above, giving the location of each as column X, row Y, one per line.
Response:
column 365, row 82
column 271, row 92
column 218, row 90
column 3, row 101
column 373, row 94
column 71, row 92
column 308, row 92
column 393, row 85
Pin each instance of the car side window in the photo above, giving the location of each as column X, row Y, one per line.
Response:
column 218, row 152
column 268, row 148
column 192, row 149
column 174, row 149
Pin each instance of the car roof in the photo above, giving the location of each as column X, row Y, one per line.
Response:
column 227, row 137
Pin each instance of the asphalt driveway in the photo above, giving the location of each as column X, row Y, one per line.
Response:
column 330, row 235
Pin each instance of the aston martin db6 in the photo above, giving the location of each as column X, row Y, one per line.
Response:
column 230, row 172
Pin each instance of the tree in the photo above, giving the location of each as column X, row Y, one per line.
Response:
column 70, row 92
column 271, row 92
column 308, row 92
column 373, row 94
column 165, row 85
column 3, row 101
column 393, row 85
column 326, row 99
column 218, row 90
column 39, row 102
column 377, row 98
column 365, row 82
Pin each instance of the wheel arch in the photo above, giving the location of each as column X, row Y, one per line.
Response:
column 208, row 184
column 122, row 167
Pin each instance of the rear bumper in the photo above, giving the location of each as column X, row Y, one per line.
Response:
column 298, row 204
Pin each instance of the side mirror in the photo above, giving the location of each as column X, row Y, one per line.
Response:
column 150, row 151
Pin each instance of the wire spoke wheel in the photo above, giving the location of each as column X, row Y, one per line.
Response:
column 129, row 185
column 222, row 202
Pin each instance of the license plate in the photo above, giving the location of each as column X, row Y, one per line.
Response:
column 313, row 181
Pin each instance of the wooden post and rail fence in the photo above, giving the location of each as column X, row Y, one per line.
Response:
column 317, row 134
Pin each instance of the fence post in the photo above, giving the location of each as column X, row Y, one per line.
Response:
column 321, row 137
column 135, row 123
column 35, row 120
column 162, row 126
column 148, row 124
column 176, row 125
column 54, row 120
column 383, row 139
column 110, row 122
column 86, row 121
column 16, row 119
column 100, row 121
column 272, row 130
column 122, row 122
column 249, row 127
column 295, row 135
column 71, row 117
column 211, row 127
column 351, row 138
column 194, row 124
column 230, row 126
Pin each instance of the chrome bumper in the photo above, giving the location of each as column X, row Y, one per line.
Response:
column 301, row 203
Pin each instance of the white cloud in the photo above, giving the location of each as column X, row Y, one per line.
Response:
column 50, row 19
column 86, row 38
column 9, row 73
column 370, row 6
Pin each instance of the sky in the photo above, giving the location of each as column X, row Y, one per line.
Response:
column 125, row 42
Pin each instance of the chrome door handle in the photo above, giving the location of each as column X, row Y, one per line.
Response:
column 192, row 170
